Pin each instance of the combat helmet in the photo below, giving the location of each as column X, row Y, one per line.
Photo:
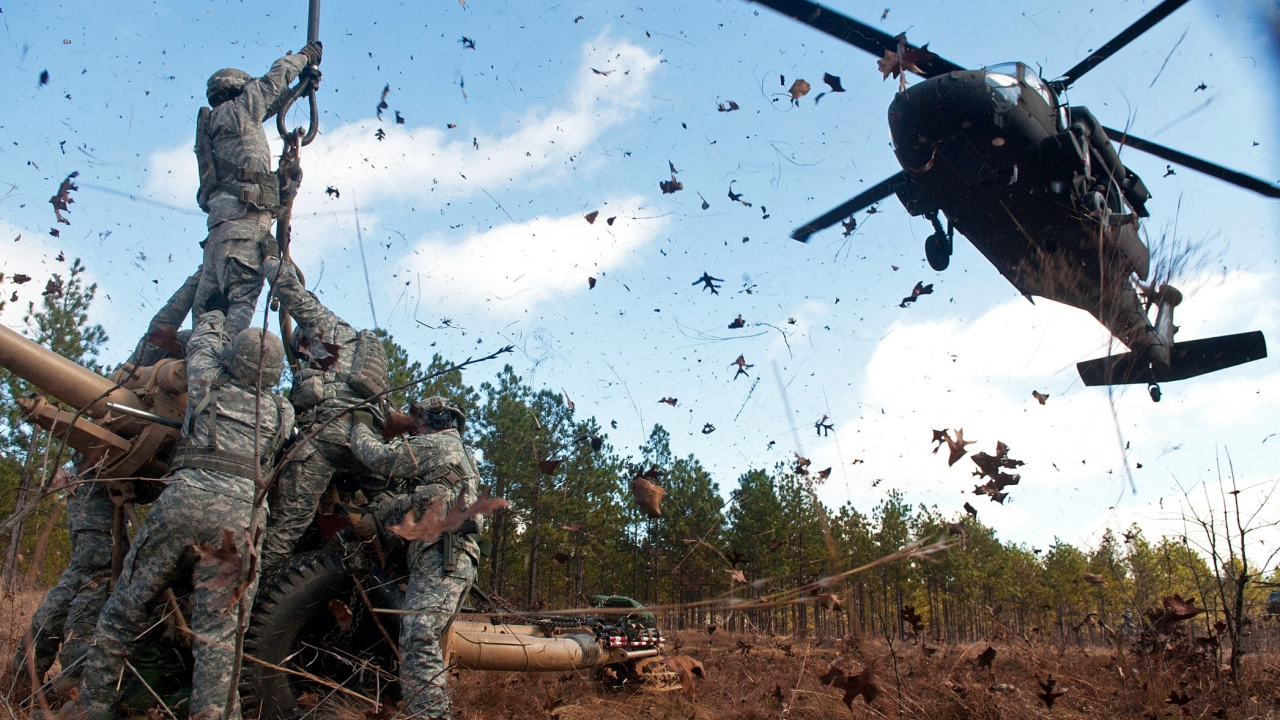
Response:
column 249, row 347
column 225, row 84
column 439, row 414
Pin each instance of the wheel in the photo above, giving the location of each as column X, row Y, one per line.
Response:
column 294, row 626
column 1154, row 391
column 937, row 252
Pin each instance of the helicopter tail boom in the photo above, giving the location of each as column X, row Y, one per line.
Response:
column 1186, row 360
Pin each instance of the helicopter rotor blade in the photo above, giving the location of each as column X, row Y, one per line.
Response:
column 860, row 35
column 870, row 196
column 1131, row 33
column 1248, row 182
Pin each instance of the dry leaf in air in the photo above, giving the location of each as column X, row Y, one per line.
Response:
column 686, row 668
column 62, row 199
column 648, row 495
column 428, row 527
column 798, row 89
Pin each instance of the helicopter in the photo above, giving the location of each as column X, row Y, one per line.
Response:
column 1037, row 186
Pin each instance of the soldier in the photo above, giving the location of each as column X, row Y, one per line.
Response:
column 162, row 334
column 64, row 623
column 238, row 188
column 433, row 463
column 210, row 494
column 342, row 367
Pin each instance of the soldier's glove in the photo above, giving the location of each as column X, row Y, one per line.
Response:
column 311, row 79
column 270, row 248
column 314, row 51
column 362, row 417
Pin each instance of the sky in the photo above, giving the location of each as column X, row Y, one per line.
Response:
column 472, row 230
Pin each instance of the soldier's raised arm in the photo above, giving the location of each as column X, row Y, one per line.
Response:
column 394, row 459
column 296, row 299
column 260, row 94
column 163, row 327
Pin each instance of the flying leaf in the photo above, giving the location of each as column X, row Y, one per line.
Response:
column 227, row 564
column 736, row 197
column 560, row 558
column 382, row 103
column 341, row 614
column 467, row 43
column 670, row 186
column 669, row 401
column 53, row 288
column 428, row 527
column 833, row 82
column 62, row 198
column 737, row 323
column 986, row 657
column 916, row 292
column 165, row 337
column 737, row 575
column 1047, row 694
column 1178, row 698
column 708, row 428
column 802, row 464
column 709, row 283
column 830, row 601
column 729, row 107
column 1039, row 396
column 397, row 424
column 864, row 684
column 548, row 467
column 591, row 283
column 743, row 366
column 1175, row 611
column 591, row 216
column 1096, row 580
column 685, row 668
column 911, row 617
column 332, row 192
column 648, row 496
column 798, row 89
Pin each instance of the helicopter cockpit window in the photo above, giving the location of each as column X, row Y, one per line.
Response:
column 1008, row 78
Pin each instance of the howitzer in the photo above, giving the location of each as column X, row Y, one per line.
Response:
column 119, row 443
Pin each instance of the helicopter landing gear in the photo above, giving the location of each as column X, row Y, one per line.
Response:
column 937, row 247
column 1154, row 391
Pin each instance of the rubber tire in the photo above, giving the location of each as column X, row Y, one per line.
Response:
column 937, row 252
column 292, row 598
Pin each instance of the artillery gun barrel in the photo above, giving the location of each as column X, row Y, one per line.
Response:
column 64, row 379
column 144, row 415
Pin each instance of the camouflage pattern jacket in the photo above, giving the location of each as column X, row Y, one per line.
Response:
column 239, row 140
column 221, row 414
column 319, row 390
column 422, row 468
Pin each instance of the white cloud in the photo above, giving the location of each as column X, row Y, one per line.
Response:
column 434, row 165
column 34, row 256
column 934, row 374
column 512, row 267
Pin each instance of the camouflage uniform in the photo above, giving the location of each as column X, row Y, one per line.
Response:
column 171, row 315
column 242, row 200
column 70, row 610
column 423, row 468
column 210, row 488
column 317, row 396
column 66, row 619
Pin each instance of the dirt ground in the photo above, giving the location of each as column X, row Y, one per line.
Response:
column 752, row 677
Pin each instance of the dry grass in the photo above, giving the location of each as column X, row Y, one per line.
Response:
column 752, row 677
column 746, row 685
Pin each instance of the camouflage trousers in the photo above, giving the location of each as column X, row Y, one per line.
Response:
column 436, row 595
column 161, row 555
column 64, row 623
column 296, row 495
column 233, row 267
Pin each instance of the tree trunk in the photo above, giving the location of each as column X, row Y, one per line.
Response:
column 37, row 555
column 9, row 572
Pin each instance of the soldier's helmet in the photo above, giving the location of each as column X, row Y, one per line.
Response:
column 225, row 84
column 439, row 414
column 249, row 348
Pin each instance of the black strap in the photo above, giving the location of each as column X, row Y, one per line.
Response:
column 213, row 460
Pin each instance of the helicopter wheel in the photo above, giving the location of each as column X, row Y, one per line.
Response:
column 937, row 252
column 1154, row 391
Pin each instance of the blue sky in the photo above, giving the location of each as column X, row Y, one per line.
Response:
column 483, row 223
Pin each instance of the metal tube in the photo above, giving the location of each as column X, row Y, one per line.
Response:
column 313, row 21
column 144, row 415
column 64, row 379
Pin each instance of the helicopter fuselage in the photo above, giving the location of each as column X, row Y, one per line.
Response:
column 1035, row 186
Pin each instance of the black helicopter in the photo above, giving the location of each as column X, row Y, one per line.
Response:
column 1037, row 186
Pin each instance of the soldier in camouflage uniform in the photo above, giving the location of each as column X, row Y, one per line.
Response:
column 151, row 349
column 211, row 489
column 66, row 619
column 432, row 463
column 342, row 367
column 238, row 188
column 64, row 623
